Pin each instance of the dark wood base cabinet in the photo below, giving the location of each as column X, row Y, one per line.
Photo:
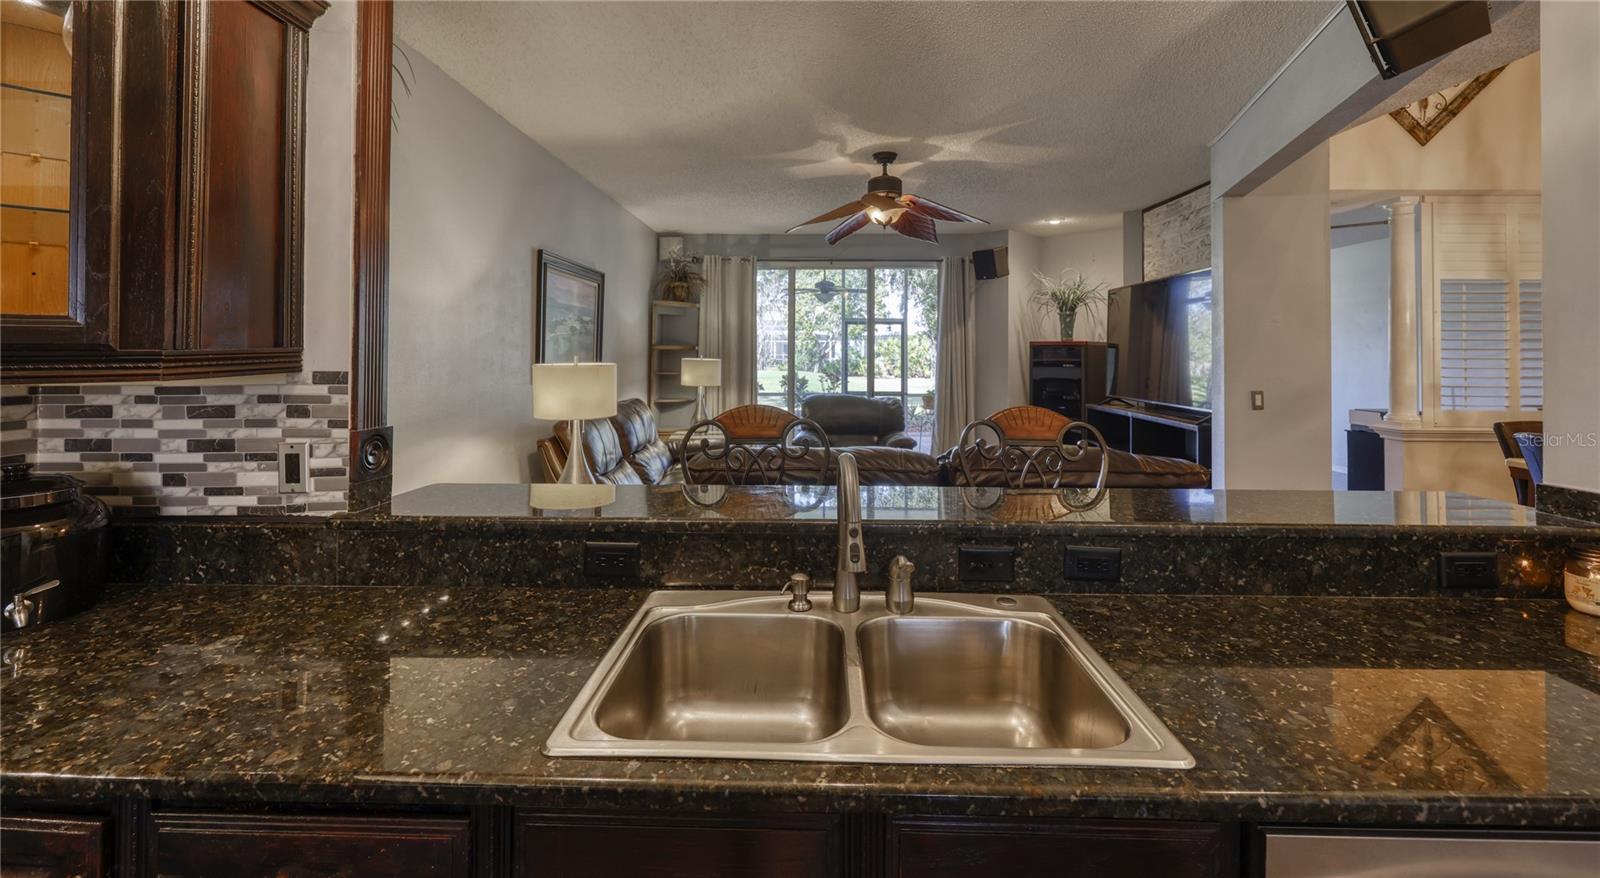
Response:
column 959, row 847
column 498, row 842
column 136, row 838
column 53, row 846
column 187, row 845
column 574, row 846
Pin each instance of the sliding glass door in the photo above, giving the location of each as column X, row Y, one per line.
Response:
column 864, row 328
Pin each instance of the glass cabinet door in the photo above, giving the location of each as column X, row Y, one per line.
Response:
column 35, row 156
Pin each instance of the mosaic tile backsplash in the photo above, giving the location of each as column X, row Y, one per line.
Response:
column 173, row 449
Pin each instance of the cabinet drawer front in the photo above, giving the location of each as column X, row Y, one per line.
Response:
column 1312, row 853
column 272, row 845
column 42, row 846
column 957, row 847
column 570, row 846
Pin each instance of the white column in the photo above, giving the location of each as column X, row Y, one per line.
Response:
column 1403, row 311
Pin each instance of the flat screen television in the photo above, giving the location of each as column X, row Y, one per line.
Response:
column 1162, row 332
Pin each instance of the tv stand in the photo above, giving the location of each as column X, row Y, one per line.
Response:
column 1140, row 427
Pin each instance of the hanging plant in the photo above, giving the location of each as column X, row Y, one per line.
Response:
column 681, row 280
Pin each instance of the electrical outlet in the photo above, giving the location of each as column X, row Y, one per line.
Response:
column 1459, row 570
column 986, row 564
column 294, row 467
column 610, row 560
column 1090, row 562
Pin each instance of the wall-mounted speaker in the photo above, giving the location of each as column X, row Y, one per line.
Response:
column 990, row 264
column 1403, row 35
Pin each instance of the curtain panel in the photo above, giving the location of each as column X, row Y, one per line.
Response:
column 728, row 328
column 956, row 378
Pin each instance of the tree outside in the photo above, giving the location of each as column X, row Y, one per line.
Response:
column 834, row 335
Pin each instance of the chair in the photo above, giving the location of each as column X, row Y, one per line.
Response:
column 1524, row 479
column 854, row 421
column 756, row 445
column 1031, row 425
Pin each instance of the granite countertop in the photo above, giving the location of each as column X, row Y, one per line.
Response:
column 1370, row 710
column 1142, row 508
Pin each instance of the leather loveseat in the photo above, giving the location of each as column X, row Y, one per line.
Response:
column 856, row 421
column 624, row 449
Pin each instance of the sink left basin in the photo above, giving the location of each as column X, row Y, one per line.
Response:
column 705, row 677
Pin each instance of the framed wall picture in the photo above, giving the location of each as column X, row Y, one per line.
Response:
column 569, row 305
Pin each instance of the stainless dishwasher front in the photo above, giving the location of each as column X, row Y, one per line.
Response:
column 1334, row 853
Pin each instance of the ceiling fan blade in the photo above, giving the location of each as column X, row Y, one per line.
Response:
column 840, row 211
column 930, row 208
column 915, row 225
column 847, row 228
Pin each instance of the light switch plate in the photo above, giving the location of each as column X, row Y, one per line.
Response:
column 1258, row 400
column 294, row 467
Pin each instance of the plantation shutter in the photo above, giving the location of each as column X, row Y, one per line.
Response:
column 1530, row 309
column 1489, row 341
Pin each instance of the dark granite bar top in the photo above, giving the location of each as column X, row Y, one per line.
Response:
column 1332, row 709
column 921, row 506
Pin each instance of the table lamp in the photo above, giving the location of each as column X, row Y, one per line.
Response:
column 700, row 373
column 574, row 392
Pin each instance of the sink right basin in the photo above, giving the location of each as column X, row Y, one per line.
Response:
column 983, row 682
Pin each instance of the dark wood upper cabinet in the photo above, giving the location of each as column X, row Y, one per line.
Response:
column 185, row 227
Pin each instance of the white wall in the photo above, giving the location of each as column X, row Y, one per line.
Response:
column 1569, row 35
column 330, row 189
column 1493, row 145
column 1271, row 331
column 1025, row 323
column 1359, row 295
column 471, row 201
column 1097, row 255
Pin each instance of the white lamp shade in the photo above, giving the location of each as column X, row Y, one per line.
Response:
column 702, row 372
column 563, row 391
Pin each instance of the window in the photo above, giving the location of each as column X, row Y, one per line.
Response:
column 862, row 328
column 1488, row 327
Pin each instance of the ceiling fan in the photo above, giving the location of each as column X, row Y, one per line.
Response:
column 910, row 215
column 826, row 289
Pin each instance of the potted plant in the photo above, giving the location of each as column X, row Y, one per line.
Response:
column 681, row 279
column 1065, row 295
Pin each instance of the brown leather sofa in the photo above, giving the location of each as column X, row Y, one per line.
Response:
column 854, row 421
column 1032, row 425
column 876, row 465
column 758, row 427
column 625, row 449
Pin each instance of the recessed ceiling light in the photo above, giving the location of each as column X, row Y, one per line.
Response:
column 1055, row 221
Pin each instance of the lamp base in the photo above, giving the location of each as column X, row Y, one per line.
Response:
column 576, row 472
column 699, row 407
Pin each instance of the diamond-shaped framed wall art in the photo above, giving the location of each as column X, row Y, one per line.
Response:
column 1423, row 119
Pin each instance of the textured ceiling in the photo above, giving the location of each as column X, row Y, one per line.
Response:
column 739, row 117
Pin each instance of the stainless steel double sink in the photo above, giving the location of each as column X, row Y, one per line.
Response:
column 979, row 679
